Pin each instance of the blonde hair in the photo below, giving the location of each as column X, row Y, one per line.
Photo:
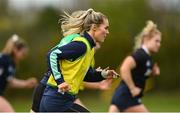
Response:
column 80, row 21
column 148, row 32
column 14, row 42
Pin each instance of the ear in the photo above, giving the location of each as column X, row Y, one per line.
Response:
column 14, row 50
column 94, row 27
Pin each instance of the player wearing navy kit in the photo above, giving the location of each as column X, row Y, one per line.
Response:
column 14, row 51
column 135, row 70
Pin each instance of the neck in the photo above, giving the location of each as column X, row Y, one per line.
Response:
column 146, row 49
column 15, row 59
column 92, row 35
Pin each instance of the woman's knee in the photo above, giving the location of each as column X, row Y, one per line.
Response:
column 113, row 108
column 5, row 106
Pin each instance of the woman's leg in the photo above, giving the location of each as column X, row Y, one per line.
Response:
column 5, row 106
column 136, row 108
column 31, row 111
column 77, row 108
column 113, row 108
column 78, row 101
column 37, row 96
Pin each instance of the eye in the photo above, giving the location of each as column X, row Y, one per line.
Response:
column 107, row 27
column 158, row 41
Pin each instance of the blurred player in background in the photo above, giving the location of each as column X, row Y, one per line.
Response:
column 14, row 51
column 135, row 69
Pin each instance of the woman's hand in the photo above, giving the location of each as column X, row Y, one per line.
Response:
column 109, row 74
column 105, row 84
column 63, row 87
column 31, row 82
column 156, row 70
column 135, row 91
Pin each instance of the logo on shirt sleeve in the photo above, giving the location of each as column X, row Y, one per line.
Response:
column 148, row 63
column 11, row 70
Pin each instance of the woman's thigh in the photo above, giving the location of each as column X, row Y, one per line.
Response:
column 136, row 108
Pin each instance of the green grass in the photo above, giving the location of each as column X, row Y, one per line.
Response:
column 155, row 102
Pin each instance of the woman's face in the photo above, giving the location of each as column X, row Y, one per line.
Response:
column 20, row 54
column 101, row 32
column 154, row 43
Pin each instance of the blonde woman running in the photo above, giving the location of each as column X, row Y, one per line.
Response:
column 135, row 69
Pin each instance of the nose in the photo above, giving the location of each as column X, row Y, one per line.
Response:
column 159, row 44
column 107, row 32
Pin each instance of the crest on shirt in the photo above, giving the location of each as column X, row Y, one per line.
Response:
column 11, row 69
column 148, row 63
column 139, row 100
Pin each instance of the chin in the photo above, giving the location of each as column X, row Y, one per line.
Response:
column 155, row 51
column 101, row 41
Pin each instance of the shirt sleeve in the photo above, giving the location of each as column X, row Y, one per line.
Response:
column 1, row 67
column 9, row 68
column 93, row 75
column 10, row 72
column 70, row 51
column 138, row 57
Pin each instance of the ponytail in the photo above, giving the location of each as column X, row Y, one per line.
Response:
column 14, row 42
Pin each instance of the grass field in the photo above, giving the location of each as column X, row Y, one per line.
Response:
column 155, row 102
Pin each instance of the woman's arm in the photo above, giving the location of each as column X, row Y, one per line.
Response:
column 96, row 75
column 125, row 70
column 103, row 85
column 93, row 75
column 18, row 83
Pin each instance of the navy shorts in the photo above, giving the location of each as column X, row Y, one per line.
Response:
column 123, row 99
column 58, row 103
column 53, row 101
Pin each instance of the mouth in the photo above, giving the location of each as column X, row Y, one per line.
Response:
column 104, row 38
